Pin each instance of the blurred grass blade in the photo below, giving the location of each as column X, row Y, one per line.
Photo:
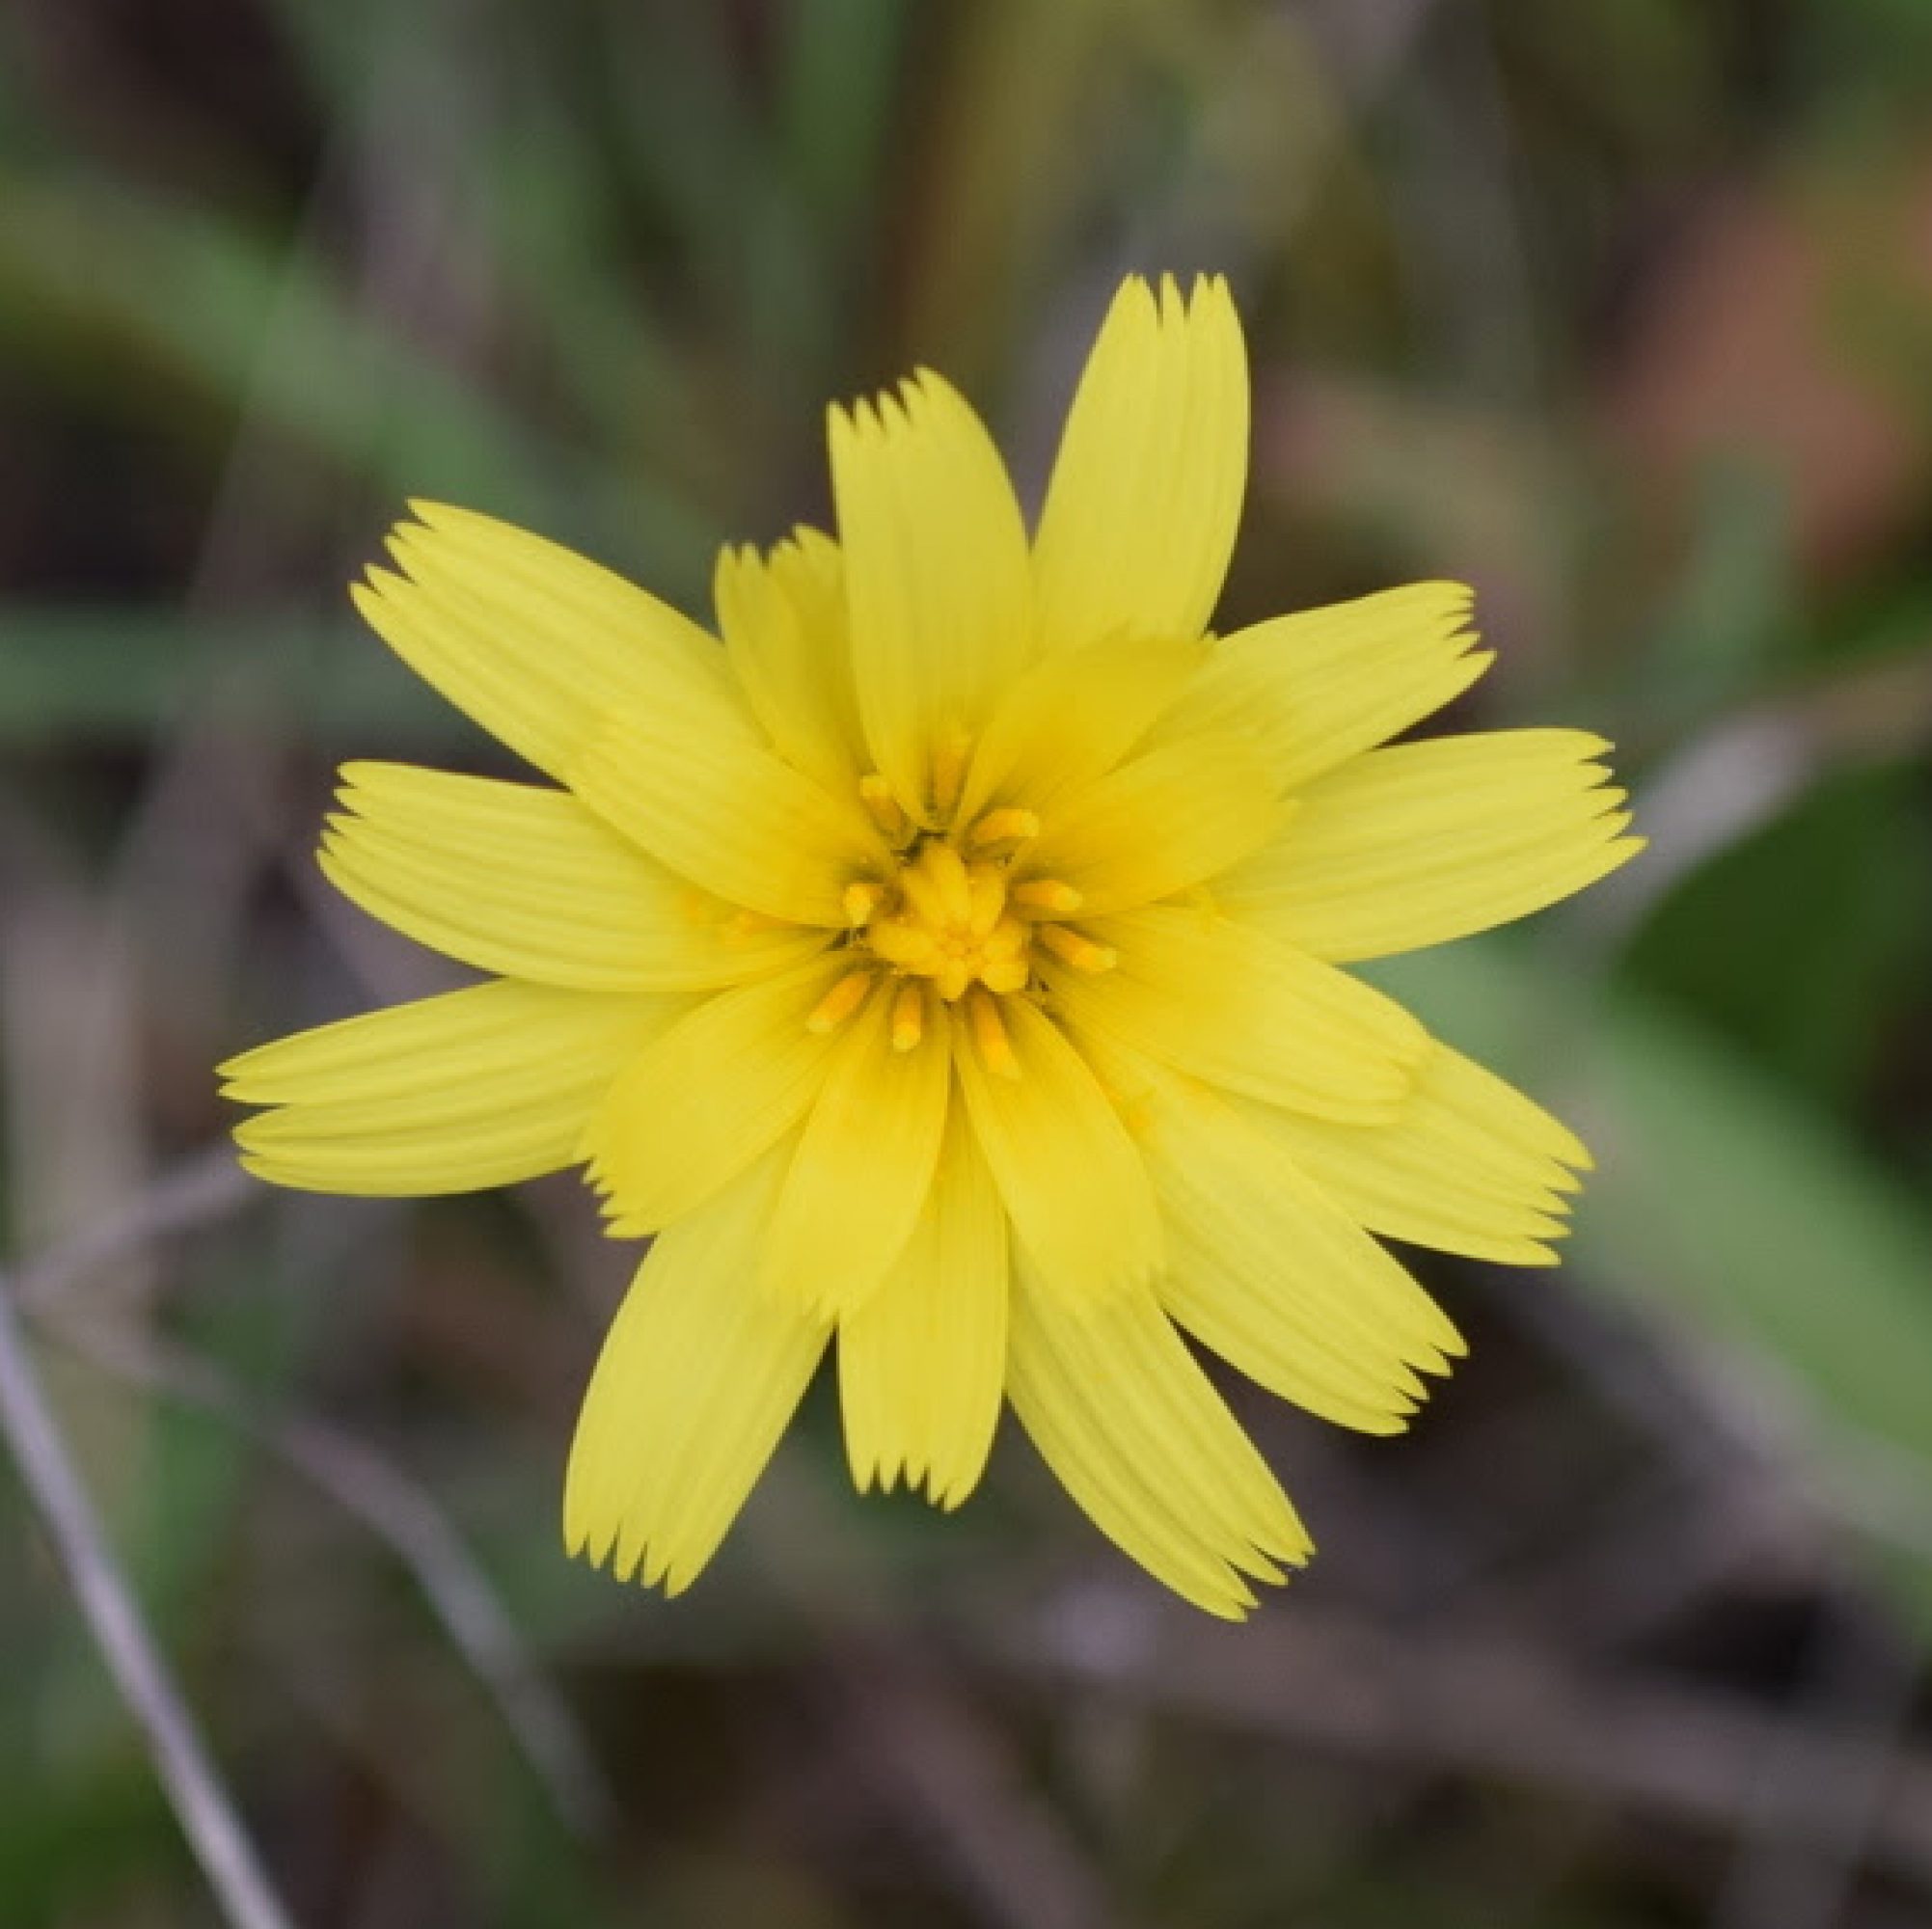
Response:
column 71, row 676
column 841, row 61
column 1721, row 1201
column 185, row 304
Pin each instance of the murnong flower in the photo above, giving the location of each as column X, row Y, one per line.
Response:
column 948, row 969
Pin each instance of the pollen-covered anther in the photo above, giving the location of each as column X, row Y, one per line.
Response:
column 909, row 1017
column 1048, row 895
column 988, row 1035
column 839, row 1003
column 876, row 793
column 1009, row 825
column 949, row 768
column 860, row 900
column 1081, row 953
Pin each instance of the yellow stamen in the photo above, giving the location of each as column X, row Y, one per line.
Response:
column 860, row 901
column 1048, row 894
column 952, row 978
column 1081, row 953
column 876, row 793
column 839, row 1003
column 949, row 767
column 909, row 1017
column 988, row 1034
column 1005, row 826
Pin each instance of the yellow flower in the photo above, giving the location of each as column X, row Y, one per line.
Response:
column 949, row 965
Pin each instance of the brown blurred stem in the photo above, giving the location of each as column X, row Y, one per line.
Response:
column 197, row 1192
column 900, row 1717
column 1479, row 1703
column 390, row 1506
column 399, row 1513
column 182, row 1760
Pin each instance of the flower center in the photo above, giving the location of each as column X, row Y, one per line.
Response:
column 945, row 920
column 957, row 922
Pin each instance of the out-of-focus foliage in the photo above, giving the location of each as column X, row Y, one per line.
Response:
column 1622, row 310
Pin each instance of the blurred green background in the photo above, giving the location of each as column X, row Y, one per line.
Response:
column 1620, row 309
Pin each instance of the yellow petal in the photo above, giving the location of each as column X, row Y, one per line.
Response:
column 700, row 1102
column 1422, row 843
column 731, row 817
column 526, row 881
column 534, row 641
column 922, row 1364
column 1312, row 690
column 864, row 1164
column 936, row 572
column 1146, row 492
column 1270, row 1271
column 475, row 1088
column 782, row 618
column 697, row 1379
column 1156, row 825
column 1223, row 1001
column 1073, row 1180
column 1120, row 1412
column 1470, row 1167
column 1074, row 716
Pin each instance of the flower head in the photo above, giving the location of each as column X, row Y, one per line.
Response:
column 948, row 968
